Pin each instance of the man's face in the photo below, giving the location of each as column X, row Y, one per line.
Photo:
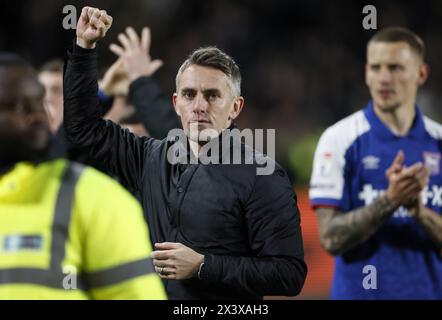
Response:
column 393, row 73
column 53, row 100
column 23, row 120
column 204, row 100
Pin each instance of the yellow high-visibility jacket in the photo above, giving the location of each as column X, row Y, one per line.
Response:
column 70, row 232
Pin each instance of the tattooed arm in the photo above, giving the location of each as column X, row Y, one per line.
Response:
column 340, row 232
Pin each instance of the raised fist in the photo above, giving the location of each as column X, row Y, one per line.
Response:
column 92, row 26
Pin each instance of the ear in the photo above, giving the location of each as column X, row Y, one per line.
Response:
column 238, row 104
column 366, row 73
column 424, row 72
column 174, row 97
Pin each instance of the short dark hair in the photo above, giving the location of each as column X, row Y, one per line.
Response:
column 213, row 57
column 54, row 65
column 400, row 34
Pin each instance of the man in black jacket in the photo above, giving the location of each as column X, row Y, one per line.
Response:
column 222, row 231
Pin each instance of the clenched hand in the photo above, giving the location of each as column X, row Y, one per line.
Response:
column 92, row 26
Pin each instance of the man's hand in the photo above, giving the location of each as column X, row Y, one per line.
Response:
column 397, row 164
column 115, row 81
column 135, row 54
column 175, row 261
column 92, row 26
column 415, row 206
column 405, row 183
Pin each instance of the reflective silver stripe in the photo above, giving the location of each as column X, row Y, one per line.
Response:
column 62, row 216
column 120, row 273
column 28, row 275
column 60, row 234
column 42, row 277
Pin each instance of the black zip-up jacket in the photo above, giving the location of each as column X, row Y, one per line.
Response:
column 247, row 226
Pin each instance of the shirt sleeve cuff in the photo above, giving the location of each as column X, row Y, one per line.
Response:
column 325, row 202
column 209, row 271
column 79, row 52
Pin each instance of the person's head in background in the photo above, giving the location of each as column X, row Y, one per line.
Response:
column 24, row 129
column 395, row 69
column 51, row 76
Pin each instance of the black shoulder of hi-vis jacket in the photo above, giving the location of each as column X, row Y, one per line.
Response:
column 246, row 225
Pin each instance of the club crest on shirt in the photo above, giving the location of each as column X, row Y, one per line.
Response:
column 432, row 161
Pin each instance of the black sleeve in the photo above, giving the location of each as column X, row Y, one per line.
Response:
column 152, row 108
column 116, row 150
column 70, row 150
column 277, row 264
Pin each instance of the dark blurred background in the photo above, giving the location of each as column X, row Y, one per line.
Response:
column 302, row 62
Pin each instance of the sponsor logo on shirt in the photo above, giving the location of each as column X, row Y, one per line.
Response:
column 430, row 196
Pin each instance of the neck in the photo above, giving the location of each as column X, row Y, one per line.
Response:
column 399, row 120
column 194, row 147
